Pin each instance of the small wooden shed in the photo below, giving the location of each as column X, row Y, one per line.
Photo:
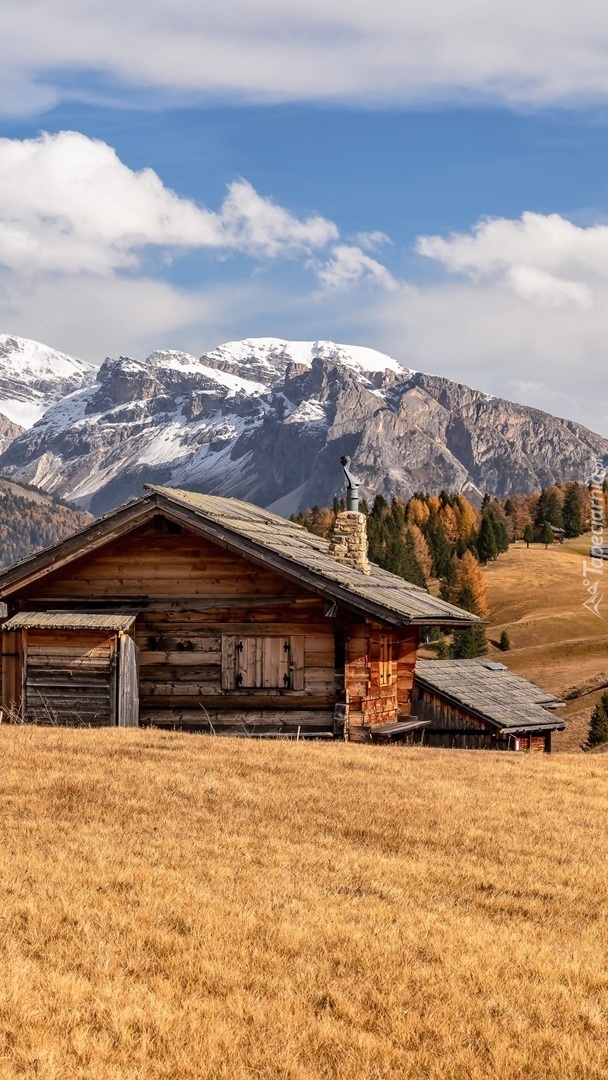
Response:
column 480, row 705
column 203, row 613
column 75, row 668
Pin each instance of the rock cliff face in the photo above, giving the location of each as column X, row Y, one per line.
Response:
column 268, row 420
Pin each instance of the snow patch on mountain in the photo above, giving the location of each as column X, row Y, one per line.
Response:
column 33, row 377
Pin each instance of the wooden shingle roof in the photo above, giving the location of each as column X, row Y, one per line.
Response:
column 294, row 544
column 68, row 620
column 266, row 539
column 490, row 692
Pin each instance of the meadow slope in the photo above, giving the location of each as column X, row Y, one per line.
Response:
column 537, row 595
column 185, row 907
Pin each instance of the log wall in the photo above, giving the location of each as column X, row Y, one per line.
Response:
column 69, row 678
column 190, row 594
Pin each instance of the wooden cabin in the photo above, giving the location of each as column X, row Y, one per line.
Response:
column 196, row 612
column 481, row 705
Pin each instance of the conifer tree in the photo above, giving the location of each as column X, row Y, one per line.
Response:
column 549, row 507
column 598, row 728
column 505, row 641
column 440, row 550
column 471, row 641
column 529, row 534
column 547, row 534
column 487, row 548
column 572, row 512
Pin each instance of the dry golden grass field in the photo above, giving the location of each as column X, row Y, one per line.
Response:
column 180, row 907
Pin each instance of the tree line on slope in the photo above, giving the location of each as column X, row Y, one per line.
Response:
column 445, row 537
column 26, row 525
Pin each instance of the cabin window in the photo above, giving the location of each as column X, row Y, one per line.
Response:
column 263, row 663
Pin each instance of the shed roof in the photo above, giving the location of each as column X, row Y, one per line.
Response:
column 494, row 694
column 263, row 537
column 68, row 620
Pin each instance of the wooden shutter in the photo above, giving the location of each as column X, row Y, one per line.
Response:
column 248, row 662
column 297, row 662
column 272, row 662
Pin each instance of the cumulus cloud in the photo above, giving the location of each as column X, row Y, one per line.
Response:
column 323, row 50
column 350, row 266
column 67, row 203
column 543, row 257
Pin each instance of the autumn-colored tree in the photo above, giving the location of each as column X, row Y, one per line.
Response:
column 467, row 520
column 449, row 521
column 470, row 574
column 467, row 574
column 417, row 512
column 517, row 516
column 421, row 549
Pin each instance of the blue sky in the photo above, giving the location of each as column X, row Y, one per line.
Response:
column 430, row 184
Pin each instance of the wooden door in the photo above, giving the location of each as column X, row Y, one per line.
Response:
column 128, row 682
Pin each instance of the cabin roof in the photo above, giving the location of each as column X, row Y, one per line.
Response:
column 263, row 537
column 490, row 692
column 67, row 620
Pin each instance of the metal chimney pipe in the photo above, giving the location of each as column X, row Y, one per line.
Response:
column 352, row 490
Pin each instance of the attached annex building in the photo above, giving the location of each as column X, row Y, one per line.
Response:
column 479, row 704
column 192, row 611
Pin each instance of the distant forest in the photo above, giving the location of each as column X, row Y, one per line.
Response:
column 31, row 522
column 446, row 537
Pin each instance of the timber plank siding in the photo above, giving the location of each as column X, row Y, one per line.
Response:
column 236, row 622
column 194, row 602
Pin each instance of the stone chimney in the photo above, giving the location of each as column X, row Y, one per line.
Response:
column 348, row 543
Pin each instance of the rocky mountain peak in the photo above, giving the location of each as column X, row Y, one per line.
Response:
column 268, row 419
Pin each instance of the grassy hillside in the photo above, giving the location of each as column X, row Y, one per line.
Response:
column 537, row 594
column 181, row 906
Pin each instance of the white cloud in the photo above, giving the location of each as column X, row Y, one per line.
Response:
column 67, row 203
column 93, row 317
column 372, row 240
column 538, row 53
column 546, row 290
column 256, row 225
column 349, row 266
column 544, row 258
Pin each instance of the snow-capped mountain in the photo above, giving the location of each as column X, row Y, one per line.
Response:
column 33, row 377
column 267, row 420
